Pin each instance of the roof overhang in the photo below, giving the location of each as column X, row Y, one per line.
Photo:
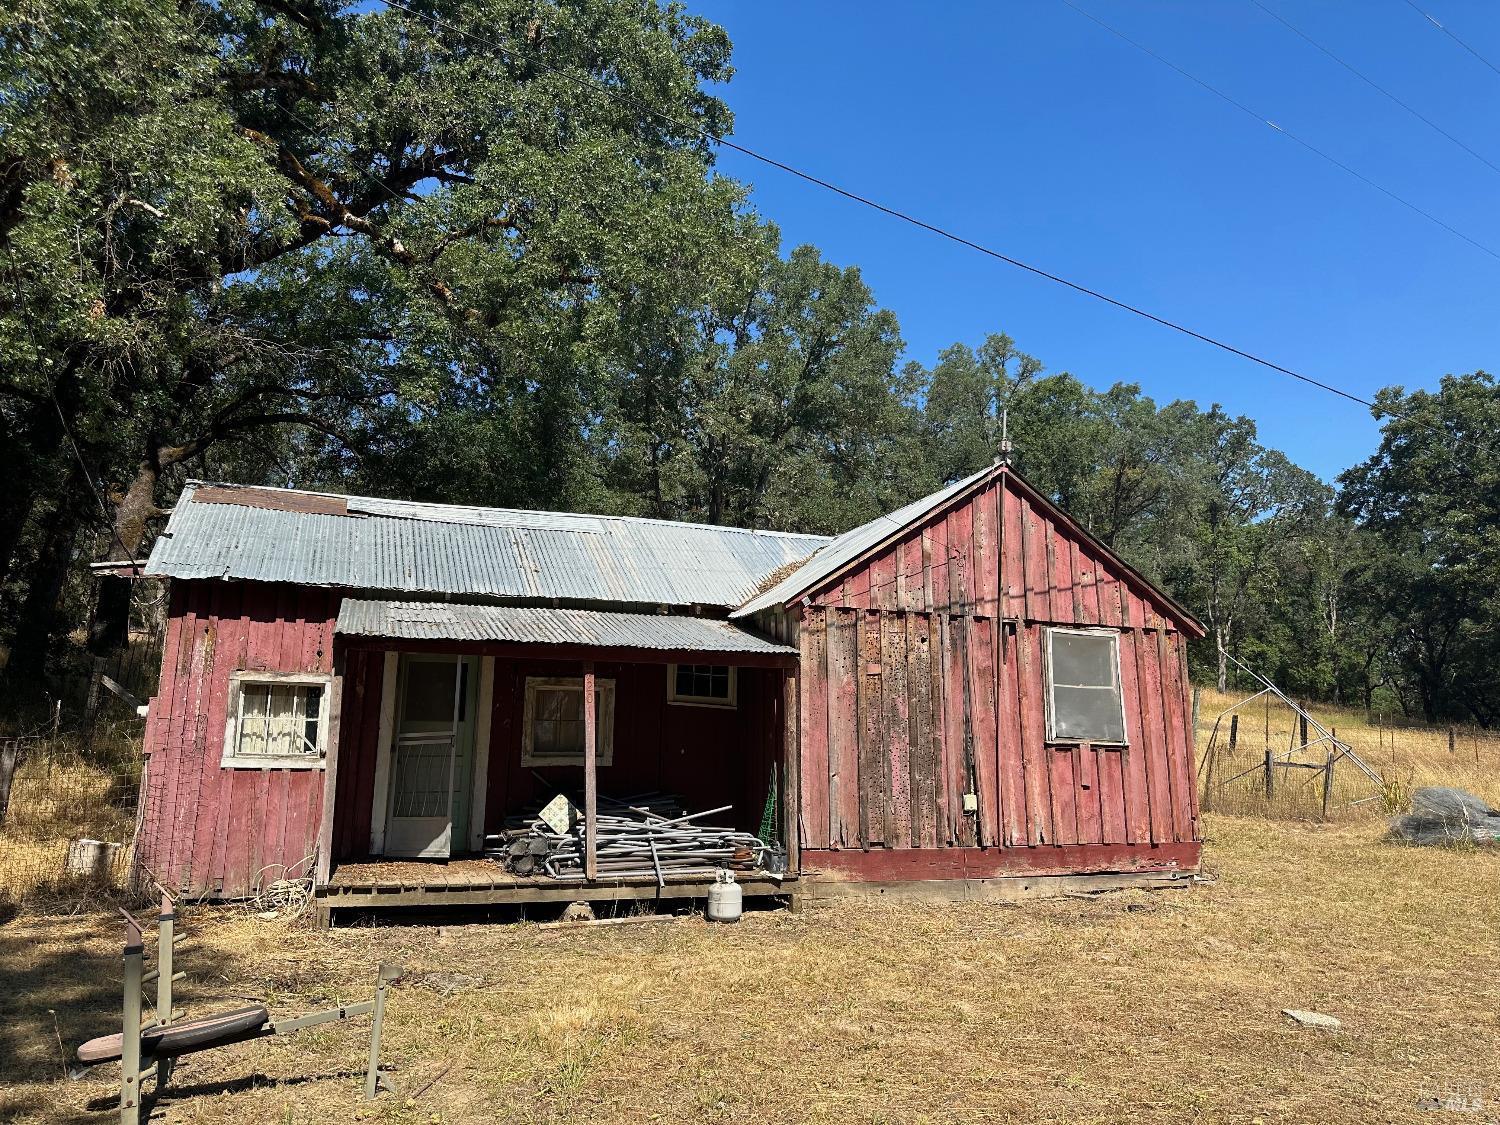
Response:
column 558, row 632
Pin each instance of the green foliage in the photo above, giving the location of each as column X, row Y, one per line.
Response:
column 324, row 244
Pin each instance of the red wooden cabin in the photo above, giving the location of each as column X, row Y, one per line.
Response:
column 361, row 690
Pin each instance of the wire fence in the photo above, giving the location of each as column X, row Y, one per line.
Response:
column 1268, row 755
column 68, row 808
column 70, row 785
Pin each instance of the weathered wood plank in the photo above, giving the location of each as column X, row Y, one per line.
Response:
column 1090, row 815
column 960, row 558
column 937, row 533
column 1179, row 754
column 922, row 760
column 1008, row 741
column 1109, row 593
column 1038, row 537
column 1060, row 570
column 1038, row 774
column 791, row 757
column 1158, row 783
column 942, row 827
column 1111, row 795
column 926, row 603
column 883, row 581
column 814, row 710
column 873, row 790
column 955, row 770
column 982, row 697
column 897, row 727
column 985, row 566
column 843, row 732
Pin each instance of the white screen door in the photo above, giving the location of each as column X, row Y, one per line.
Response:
column 431, row 756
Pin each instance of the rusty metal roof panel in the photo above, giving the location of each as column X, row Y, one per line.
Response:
column 466, row 551
column 449, row 621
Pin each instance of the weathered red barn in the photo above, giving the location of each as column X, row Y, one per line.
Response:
column 360, row 690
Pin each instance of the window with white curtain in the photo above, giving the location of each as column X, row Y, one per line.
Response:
column 276, row 721
column 552, row 721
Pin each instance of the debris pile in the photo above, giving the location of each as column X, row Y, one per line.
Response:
column 644, row 837
column 1444, row 816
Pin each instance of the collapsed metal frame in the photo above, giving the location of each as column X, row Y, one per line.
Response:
column 132, row 1074
column 1337, row 749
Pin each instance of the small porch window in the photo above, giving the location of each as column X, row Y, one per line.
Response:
column 552, row 723
column 700, row 685
column 276, row 721
column 1084, row 701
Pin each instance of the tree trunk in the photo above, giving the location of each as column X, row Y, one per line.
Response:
column 38, row 622
column 35, row 436
column 1221, row 647
column 133, row 511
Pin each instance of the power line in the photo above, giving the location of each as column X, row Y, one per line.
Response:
column 931, row 228
column 1433, row 125
column 1245, row 109
column 1432, row 20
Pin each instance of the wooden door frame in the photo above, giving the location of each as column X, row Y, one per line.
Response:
column 479, row 752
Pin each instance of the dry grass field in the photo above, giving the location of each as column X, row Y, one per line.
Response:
column 1406, row 755
column 1130, row 1006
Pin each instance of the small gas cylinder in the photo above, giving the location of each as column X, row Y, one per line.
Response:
column 725, row 898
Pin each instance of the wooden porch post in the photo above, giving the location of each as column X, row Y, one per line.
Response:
column 791, row 770
column 335, row 704
column 590, row 777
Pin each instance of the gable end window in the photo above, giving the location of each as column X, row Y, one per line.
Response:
column 276, row 721
column 1084, row 701
column 552, row 721
column 701, row 685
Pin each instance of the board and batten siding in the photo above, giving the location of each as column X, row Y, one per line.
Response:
column 934, row 644
column 204, row 828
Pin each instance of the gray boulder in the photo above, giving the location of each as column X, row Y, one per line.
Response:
column 1441, row 815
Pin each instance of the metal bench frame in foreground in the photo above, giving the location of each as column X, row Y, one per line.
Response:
column 164, row 1057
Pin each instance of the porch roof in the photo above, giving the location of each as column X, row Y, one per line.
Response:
column 449, row 621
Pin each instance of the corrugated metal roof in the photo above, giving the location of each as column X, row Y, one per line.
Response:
column 850, row 545
column 469, row 551
column 446, row 621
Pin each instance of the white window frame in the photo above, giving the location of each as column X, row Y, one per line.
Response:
column 1064, row 740
column 238, row 681
column 604, row 748
column 685, row 700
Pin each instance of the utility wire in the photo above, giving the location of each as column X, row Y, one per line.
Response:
column 1368, row 81
column 1245, row 109
column 1432, row 20
column 933, row 228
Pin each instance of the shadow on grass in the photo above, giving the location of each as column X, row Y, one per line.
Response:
column 60, row 985
column 178, row 1091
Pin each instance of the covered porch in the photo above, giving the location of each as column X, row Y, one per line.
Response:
column 455, row 722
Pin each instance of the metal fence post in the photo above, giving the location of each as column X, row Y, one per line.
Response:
column 130, row 1039
column 387, row 974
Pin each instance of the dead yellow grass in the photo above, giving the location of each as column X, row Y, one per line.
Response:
column 1407, row 756
column 57, row 798
column 1159, row 1007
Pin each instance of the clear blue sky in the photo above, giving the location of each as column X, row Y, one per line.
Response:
column 1031, row 129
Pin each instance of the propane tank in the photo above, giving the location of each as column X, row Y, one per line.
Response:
column 725, row 898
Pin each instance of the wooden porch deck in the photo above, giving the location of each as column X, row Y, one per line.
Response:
column 434, row 884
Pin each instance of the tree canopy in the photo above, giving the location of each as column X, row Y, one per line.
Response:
column 425, row 255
